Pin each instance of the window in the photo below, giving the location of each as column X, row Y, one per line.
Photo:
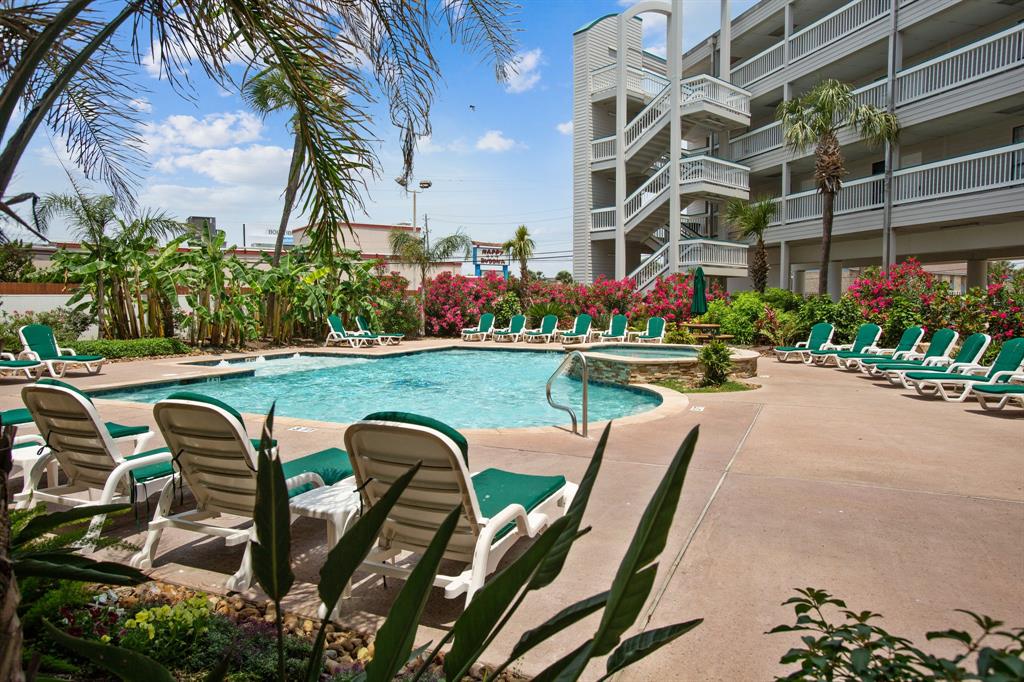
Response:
column 1018, row 134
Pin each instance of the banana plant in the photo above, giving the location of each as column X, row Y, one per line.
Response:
column 492, row 607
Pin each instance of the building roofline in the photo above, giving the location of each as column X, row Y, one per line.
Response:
column 596, row 21
column 370, row 226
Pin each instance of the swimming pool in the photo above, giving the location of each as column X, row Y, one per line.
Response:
column 642, row 351
column 463, row 388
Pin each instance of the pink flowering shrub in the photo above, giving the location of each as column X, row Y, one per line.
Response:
column 455, row 302
column 672, row 296
column 1004, row 299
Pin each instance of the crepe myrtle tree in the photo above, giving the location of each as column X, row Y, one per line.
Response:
column 814, row 120
column 70, row 65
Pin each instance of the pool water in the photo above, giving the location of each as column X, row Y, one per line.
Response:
column 638, row 351
column 463, row 388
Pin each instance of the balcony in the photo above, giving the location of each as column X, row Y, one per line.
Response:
column 979, row 172
column 639, row 82
column 716, row 257
column 984, row 58
column 700, row 177
column 848, row 19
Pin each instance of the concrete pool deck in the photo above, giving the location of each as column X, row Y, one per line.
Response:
column 904, row 506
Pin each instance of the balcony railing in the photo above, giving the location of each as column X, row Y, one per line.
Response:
column 691, row 226
column 987, row 57
column 603, row 148
column 692, row 170
column 637, row 80
column 848, row 19
column 694, row 252
column 650, row 269
column 988, row 170
column 602, row 219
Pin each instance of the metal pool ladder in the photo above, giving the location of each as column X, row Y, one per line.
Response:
column 585, row 376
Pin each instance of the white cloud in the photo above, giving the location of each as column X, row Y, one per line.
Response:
column 565, row 128
column 255, row 165
column 212, row 131
column 524, row 72
column 494, row 141
column 141, row 104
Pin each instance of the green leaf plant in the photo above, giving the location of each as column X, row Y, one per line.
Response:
column 493, row 605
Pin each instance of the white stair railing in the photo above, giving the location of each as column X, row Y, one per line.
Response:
column 712, row 252
column 987, row 170
column 650, row 269
column 647, row 118
column 654, row 185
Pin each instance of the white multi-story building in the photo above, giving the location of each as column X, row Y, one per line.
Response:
column 952, row 70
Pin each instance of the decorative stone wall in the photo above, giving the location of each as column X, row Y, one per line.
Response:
column 622, row 370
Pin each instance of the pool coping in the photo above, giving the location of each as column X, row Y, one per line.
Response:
column 671, row 401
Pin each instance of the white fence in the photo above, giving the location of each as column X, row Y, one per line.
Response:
column 711, row 252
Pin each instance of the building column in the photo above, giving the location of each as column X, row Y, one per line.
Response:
column 724, row 42
column 784, row 265
column 787, row 182
column 799, row 281
column 620, row 153
column 835, row 279
column 674, row 70
column 977, row 273
column 787, row 29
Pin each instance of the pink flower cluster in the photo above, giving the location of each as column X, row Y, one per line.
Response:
column 455, row 302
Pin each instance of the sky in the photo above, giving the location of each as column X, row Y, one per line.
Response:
column 499, row 154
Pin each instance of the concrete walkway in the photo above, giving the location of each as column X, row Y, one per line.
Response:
column 904, row 506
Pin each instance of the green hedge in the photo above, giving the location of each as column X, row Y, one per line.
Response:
column 130, row 348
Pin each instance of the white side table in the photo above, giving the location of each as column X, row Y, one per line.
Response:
column 336, row 504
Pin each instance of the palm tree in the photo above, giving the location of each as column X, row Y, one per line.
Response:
column 814, row 120
column 752, row 218
column 417, row 251
column 520, row 247
column 68, row 65
column 90, row 219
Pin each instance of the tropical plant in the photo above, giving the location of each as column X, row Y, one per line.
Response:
column 564, row 277
column 814, row 120
column 752, row 219
column 778, row 327
column 417, row 251
column 855, row 648
column 493, row 605
column 716, row 361
column 61, row 65
column 538, row 311
column 677, row 333
column 520, row 248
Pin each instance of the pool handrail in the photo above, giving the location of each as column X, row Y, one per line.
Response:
column 585, row 377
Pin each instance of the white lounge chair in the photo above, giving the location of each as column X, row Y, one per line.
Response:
column 481, row 331
column 956, row 386
column 41, row 345
column 580, row 331
column 546, row 332
column 85, row 450
column 655, row 332
column 514, row 331
column 867, row 337
column 11, row 366
column 617, row 329
column 498, row 507
column 994, row 397
column 217, row 460
column 905, row 348
column 937, row 355
column 819, row 338
column 336, row 334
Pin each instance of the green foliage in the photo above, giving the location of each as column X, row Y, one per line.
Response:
column 536, row 312
column 15, row 262
column 716, row 361
column 677, row 333
column 132, row 348
column 67, row 324
column 506, row 307
column 844, row 315
column 854, row 648
column 564, row 277
column 779, row 327
column 727, row 387
column 164, row 632
column 737, row 317
column 783, row 299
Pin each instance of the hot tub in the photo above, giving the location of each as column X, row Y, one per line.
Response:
column 645, row 363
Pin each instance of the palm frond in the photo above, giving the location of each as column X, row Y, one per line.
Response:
column 875, row 125
column 457, row 243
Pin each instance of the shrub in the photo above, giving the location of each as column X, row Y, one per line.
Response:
column 392, row 309
column 538, row 311
column 778, row 327
column 507, row 307
column 783, row 300
column 854, row 648
column 15, row 262
column 67, row 325
column 716, row 360
column 672, row 296
column 455, row 302
column 738, row 317
column 676, row 333
column 164, row 632
column 131, row 348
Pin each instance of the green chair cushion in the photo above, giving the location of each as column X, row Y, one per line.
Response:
column 121, row 431
column 17, row 416
column 879, row 359
column 849, row 355
column 27, row 444
column 40, row 340
column 575, row 334
column 256, row 443
column 63, row 384
column 18, row 364
column 200, row 398
column 429, row 422
column 81, row 358
column 496, row 489
column 788, row 349
column 151, row 471
column 332, row 464
column 1002, row 389
column 909, row 364
column 946, row 376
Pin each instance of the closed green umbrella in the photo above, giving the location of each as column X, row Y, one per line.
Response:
column 699, row 306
